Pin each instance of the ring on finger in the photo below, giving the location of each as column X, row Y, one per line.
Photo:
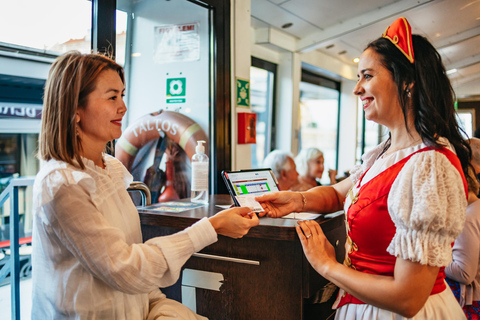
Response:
column 308, row 236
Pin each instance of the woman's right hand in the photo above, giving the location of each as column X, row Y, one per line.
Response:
column 279, row 204
column 234, row 222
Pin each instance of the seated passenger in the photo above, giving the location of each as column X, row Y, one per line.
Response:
column 463, row 273
column 310, row 167
column 89, row 261
column 283, row 167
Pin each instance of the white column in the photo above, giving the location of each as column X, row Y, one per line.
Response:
column 288, row 98
column 241, row 61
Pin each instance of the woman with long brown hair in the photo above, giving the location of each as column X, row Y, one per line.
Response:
column 406, row 203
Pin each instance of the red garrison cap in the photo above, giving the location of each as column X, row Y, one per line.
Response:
column 400, row 34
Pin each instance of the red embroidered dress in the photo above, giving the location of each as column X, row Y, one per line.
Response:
column 370, row 228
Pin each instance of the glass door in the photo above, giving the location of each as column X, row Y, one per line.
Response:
column 170, row 58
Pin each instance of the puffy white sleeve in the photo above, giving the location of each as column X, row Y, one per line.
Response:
column 427, row 203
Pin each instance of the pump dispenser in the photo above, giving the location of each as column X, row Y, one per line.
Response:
column 199, row 174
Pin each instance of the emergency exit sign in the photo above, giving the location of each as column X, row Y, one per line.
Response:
column 176, row 90
column 243, row 93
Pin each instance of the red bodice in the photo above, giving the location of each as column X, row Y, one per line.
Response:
column 370, row 228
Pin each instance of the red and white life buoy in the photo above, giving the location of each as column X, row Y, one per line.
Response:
column 178, row 127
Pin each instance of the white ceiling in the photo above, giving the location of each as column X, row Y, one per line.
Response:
column 342, row 28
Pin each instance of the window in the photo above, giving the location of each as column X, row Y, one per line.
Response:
column 466, row 119
column 319, row 117
column 47, row 26
column 262, row 90
column 369, row 133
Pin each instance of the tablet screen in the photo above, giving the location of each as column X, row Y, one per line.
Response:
column 245, row 185
column 247, row 182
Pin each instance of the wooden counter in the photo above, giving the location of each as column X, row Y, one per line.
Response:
column 268, row 277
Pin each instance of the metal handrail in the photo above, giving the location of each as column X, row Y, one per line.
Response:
column 19, row 182
column 11, row 191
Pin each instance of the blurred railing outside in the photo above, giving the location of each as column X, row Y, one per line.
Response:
column 11, row 258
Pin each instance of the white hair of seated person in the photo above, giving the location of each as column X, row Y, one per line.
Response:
column 277, row 160
column 303, row 157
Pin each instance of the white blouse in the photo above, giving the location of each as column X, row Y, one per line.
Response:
column 89, row 261
column 427, row 202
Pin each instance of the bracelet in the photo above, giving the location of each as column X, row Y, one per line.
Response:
column 304, row 200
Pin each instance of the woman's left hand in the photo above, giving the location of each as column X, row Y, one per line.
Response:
column 319, row 252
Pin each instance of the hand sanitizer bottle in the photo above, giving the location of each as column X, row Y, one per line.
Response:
column 199, row 175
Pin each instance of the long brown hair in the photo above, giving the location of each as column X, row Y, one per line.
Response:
column 71, row 79
column 432, row 94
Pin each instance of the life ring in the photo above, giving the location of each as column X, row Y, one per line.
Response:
column 178, row 127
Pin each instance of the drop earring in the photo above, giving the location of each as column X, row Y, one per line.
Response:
column 409, row 94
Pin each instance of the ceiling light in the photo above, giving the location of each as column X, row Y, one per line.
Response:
column 342, row 52
column 136, row 54
column 287, row 25
column 451, row 71
column 330, row 46
column 356, row 60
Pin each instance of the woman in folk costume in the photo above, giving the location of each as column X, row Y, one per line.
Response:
column 406, row 203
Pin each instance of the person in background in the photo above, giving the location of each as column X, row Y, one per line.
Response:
column 310, row 167
column 405, row 204
column 475, row 145
column 89, row 261
column 463, row 274
column 283, row 167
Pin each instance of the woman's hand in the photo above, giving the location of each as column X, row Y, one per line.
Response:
column 279, row 204
column 234, row 222
column 332, row 175
column 319, row 252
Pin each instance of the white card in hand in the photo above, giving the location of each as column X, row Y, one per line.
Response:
column 248, row 200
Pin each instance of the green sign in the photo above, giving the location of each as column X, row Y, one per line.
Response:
column 176, row 90
column 243, row 93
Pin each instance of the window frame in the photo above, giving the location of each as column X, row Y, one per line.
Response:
column 270, row 67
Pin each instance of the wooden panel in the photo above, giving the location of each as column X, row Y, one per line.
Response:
column 282, row 286
column 268, row 291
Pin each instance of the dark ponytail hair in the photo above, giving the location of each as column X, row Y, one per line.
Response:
column 432, row 94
